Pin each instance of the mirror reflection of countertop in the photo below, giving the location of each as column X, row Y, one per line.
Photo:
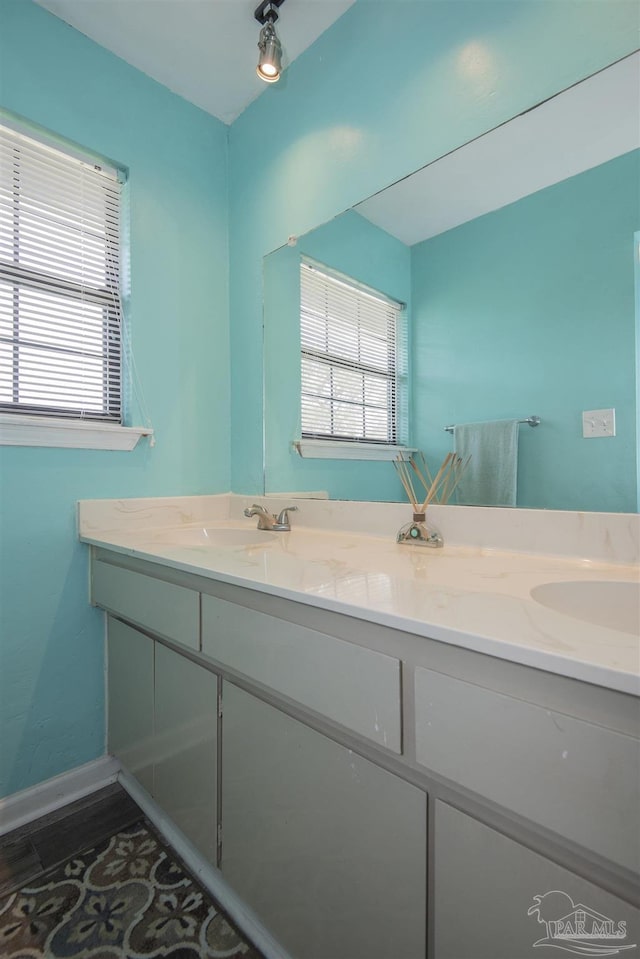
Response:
column 469, row 596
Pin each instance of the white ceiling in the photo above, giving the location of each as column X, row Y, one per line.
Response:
column 204, row 50
column 588, row 124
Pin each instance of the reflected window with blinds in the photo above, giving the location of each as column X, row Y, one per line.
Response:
column 350, row 347
column 60, row 313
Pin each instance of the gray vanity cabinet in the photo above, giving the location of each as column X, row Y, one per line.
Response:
column 495, row 899
column 326, row 847
column 352, row 761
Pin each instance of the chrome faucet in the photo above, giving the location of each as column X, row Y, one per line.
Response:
column 267, row 520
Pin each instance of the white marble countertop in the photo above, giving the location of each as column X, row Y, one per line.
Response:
column 470, row 596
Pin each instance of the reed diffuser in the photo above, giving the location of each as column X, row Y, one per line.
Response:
column 438, row 489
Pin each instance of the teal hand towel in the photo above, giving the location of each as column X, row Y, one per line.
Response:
column 491, row 477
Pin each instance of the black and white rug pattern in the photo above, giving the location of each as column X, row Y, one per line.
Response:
column 125, row 899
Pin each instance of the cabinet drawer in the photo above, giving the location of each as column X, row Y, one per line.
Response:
column 559, row 772
column 163, row 608
column 354, row 686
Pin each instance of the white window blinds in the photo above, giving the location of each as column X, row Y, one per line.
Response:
column 60, row 322
column 349, row 359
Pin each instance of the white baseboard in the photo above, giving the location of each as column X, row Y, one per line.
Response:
column 30, row 804
column 210, row 877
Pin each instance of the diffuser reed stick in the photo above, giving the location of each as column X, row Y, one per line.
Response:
column 402, row 469
column 438, row 488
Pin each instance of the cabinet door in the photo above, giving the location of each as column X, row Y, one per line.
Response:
column 185, row 772
column 496, row 899
column 130, row 700
column 328, row 849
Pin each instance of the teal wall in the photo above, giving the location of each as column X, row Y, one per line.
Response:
column 530, row 310
column 352, row 245
column 51, row 641
column 334, row 130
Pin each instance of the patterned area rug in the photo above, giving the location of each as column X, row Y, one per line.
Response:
column 125, row 899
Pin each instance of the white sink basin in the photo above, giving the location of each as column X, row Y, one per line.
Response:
column 603, row 603
column 226, row 537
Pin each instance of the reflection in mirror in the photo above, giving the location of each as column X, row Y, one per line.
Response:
column 517, row 259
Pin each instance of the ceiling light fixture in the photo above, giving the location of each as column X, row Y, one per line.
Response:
column 270, row 59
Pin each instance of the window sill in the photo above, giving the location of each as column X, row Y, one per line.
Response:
column 332, row 450
column 21, row 430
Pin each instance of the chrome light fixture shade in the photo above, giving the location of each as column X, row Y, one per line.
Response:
column 270, row 60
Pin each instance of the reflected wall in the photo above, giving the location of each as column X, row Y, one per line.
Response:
column 530, row 310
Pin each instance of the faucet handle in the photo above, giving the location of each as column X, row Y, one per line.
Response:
column 283, row 517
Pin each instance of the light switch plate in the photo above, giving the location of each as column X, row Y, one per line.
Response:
column 598, row 423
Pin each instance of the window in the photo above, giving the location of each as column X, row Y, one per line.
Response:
column 350, row 338
column 60, row 316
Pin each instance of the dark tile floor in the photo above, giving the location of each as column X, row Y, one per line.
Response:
column 33, row 849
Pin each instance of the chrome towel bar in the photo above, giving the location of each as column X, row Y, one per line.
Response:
column 530, row 421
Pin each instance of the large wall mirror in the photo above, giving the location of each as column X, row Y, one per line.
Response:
column 516, row 260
